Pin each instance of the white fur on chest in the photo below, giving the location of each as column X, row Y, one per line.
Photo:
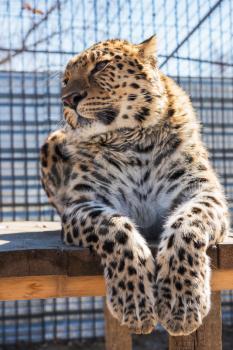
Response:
column 143, row 206
column 140, row 202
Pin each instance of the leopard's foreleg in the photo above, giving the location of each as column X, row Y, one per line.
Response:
column 88, row 221
column 183, row 267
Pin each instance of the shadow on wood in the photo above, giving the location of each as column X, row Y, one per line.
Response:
column 117, row 337
column 208, row 336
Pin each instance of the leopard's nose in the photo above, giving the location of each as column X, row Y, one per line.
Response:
column 72, row 100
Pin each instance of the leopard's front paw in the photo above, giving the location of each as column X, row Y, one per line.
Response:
column 182, row 291
column 71, row 117
column 130, row 293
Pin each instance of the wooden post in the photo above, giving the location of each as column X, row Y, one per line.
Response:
column 116, row 337
column 208, row 336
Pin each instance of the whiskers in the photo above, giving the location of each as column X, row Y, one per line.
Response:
column 53, row 77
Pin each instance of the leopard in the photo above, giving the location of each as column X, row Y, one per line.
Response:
column 127, row 168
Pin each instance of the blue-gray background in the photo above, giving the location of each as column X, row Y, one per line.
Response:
column 195, row 46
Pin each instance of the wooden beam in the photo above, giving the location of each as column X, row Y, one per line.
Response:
column 35, row 248
column 35, row 264
column 54, row 286
column 117, row 337
column 208, row 336
column 42, row 287
column 222, row 280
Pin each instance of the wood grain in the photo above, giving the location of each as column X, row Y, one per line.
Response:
column 208, row 336
column 117, row 337
column 35, row 248
column 222, row 279
column 53, row 286
column 35, row 264
column 34, row 252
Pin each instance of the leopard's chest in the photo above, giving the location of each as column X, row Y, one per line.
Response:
column 135, row 188
column 143, row 203
column 129, row 181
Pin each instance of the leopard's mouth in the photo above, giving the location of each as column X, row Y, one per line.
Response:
column 82, row 121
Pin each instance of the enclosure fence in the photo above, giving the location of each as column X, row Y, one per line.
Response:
column 195, row 46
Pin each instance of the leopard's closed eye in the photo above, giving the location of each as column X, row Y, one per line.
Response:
column 99, row 66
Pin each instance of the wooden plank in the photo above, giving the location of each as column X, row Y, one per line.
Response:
column 47, row 286
column 225, row 255
column 42, row 287
column 40, row 251
column 26, row 236
column 30, row 249
column 46, row 235
column 222, row 280
column 78, row 262
column 117, row 337
column 35, row 264
column 29, row 226
column 208, row 336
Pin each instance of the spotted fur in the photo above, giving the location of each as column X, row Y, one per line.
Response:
column 129, row 166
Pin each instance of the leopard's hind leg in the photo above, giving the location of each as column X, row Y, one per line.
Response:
column 55, row 166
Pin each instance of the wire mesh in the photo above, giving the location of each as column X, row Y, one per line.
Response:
column 51, row 320
column 195, row 46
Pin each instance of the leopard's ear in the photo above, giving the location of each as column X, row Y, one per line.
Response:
column 147, row 49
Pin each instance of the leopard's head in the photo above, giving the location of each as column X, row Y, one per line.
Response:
column 115, row 84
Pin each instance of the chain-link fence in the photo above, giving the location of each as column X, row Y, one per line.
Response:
column 195, row 46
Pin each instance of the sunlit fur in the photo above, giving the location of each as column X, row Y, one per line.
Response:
column 129, row 166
